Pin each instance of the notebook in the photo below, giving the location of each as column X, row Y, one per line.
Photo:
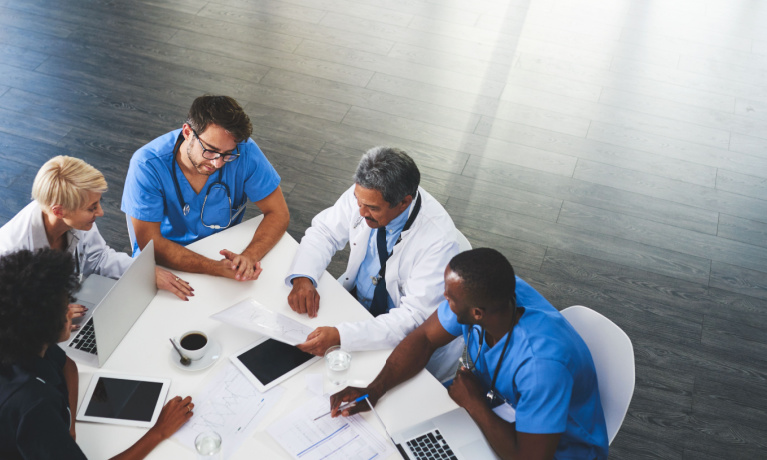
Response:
column 113, row 307
column 452, row 435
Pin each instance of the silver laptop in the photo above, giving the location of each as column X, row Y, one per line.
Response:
column 113, row 307
column 452, row 435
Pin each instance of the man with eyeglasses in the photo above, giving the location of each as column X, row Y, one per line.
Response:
column 527, row 378
column 196, row 181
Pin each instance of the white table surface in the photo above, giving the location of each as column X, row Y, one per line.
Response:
column 146, row 351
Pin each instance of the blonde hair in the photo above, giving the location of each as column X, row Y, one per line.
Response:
column 66, row 181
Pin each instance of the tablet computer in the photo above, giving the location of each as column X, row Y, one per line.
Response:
column 123, row 400
column 269, row 362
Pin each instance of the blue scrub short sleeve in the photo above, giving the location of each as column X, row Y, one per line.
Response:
column 263, row 178
column 143, row 197
column 544, row 387
column 448, row 320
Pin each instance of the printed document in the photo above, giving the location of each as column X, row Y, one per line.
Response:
column 229, row 405
column 252, row 315
column 342, row 438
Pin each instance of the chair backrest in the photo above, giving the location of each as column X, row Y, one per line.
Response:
column 613, row 357
column 463, row 242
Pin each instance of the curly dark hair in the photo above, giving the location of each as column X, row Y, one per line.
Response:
column 35, row 290
column 222, row 111
column 487, row 277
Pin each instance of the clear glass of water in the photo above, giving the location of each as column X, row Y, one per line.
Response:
column 208, row 445
column 337, row 363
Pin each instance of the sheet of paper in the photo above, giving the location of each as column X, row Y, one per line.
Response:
column 229, row 405
column 252, row 315
column 342, row 438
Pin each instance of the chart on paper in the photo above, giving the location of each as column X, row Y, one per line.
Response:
column 252, row 315
column 342, row 438
column 229, row 405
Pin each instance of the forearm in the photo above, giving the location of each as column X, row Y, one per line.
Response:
column 501, row 434
column 141, row 448
column 268, row 233
column 176, row 257
column 72, row 379
column 405, row 361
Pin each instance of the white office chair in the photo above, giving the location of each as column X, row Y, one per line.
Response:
column 463, row 242
column 613, row 357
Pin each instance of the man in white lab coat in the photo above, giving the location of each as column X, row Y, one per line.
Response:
column 414, row 237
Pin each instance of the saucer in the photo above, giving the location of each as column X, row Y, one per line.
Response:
column 214, row 352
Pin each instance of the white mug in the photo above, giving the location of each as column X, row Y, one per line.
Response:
column 194, row 344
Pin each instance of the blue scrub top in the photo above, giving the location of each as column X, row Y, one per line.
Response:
column 547, row 375
column 150, row 194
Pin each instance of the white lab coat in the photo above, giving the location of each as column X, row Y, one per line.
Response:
column 27, row 231
column 414, row 273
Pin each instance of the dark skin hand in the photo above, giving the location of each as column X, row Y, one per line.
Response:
column 319, row 340
column 175, row 413
column 304, row 298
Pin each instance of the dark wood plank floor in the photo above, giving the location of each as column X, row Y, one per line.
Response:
column 615, row 151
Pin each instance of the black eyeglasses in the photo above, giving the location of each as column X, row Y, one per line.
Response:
column 209, row 154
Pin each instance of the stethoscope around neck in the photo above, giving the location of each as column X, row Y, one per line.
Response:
column 218, row 183
column 494, row 398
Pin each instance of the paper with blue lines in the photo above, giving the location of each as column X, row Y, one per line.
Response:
column 347, row 438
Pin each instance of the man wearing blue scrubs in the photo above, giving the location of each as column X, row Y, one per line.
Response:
column 195, row 181
column 528, row 379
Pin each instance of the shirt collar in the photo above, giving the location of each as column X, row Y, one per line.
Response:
column 40, row 239
column 398, row 223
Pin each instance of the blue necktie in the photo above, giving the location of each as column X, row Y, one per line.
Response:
column 380, row 302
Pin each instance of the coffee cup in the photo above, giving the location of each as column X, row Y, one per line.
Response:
column 193, row 344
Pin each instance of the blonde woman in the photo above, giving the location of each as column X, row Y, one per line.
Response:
column 67, row 201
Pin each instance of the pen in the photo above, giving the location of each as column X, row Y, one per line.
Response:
column 345, row 406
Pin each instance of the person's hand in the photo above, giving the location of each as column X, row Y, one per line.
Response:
column 319, row 340
column 349, row 394
column 78, row 311
column 245, row 268
column 170, row 282
column 304, row 298
column 466, row 389
column 175, row 413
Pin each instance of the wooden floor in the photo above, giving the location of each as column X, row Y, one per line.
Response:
column 614, row 150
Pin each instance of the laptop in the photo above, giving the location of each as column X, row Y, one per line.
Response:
column 450, row 436
column 113, row 307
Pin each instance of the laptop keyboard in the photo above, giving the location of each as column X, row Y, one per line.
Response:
column 85, row 339
column 431, row 446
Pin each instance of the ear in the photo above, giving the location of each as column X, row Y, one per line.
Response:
column 186, row 131
column 406, row 202
column 58, row 211
column 477, row 313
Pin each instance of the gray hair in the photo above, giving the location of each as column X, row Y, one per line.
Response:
column 390, row 171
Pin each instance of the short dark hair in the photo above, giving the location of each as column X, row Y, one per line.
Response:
column 222, row 111
column 390, row 171
column 487, row 277
column 35, row 290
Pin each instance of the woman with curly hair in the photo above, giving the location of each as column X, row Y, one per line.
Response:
column 38, row 382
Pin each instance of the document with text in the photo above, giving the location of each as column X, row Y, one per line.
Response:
column 342, row 438
column 252, row 315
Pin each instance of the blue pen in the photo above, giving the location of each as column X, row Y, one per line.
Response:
column 344, row 406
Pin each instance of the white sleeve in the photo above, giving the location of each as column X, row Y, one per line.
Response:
column 99, row 258
column 328, row 234
column 421, row 294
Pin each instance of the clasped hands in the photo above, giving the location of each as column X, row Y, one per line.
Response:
column 240, row 267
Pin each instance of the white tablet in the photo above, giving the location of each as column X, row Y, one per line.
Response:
column 269, row 362
column 123, row 400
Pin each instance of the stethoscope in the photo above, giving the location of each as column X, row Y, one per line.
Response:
column 470, row 365
column 218, row 183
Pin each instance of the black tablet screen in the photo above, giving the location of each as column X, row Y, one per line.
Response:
column 124, row 399
column 271, row 359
